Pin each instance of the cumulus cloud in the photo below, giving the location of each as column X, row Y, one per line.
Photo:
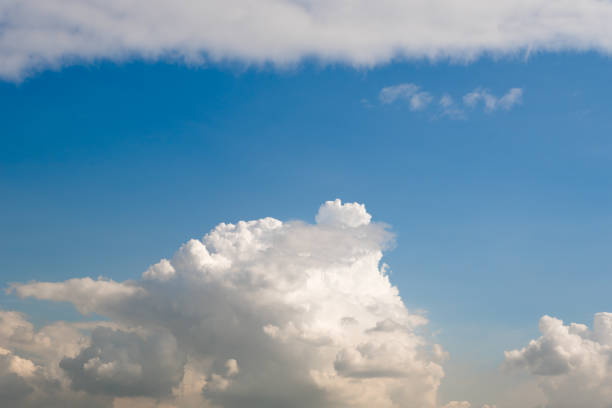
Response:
column 30, row 373
column 571, row 363
column 259, row 313
column 337, row 214
column 37, row 34
column 121, row 363
column 13, row 380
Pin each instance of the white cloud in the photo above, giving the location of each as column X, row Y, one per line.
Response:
column 37, row 34
column 464, row 404
column 348, row 214
column 457, row 404
column 390, row 94
column 449, row 108
column 570, row 363
column 163, row 270
column 84, row 293
column 260, row 313
column 419, row 100
column 513, row 97
column 446, row 101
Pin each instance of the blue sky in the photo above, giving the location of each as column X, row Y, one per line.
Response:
column 128, row 161
column 500, row 217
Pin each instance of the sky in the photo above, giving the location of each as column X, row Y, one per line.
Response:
column 305, row 204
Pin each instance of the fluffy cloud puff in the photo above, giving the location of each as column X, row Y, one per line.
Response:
column 36, row 34
column 259, row 313
column 572, row 363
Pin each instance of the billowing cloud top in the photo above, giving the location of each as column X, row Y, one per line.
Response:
column 260, row 313
column 573, row 364
column 36, row 34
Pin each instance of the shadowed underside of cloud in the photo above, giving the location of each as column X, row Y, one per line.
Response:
column 261, row 313
column 38, row 34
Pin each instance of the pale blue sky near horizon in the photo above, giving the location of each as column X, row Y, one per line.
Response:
column 500, row 217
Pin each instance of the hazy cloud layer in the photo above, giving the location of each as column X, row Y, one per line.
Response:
column 572, row 364
column 38, row 34
column 259, row 313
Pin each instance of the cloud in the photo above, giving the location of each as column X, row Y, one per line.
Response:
column 343, row 215
column 418, row 100
column 447, row 107
column 513, row 97
column 13, row 384
column 446, row 101
column 464, row 404
column 41, row 34
column 84, row 293
column 570, row 363
column 121, row 363
column 261, row 313
column 30, row 375
column 457, row 404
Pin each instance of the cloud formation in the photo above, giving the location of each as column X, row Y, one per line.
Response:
column 571, row 363
column 260, row 313
column 464, row 404
column 417, row 99
column 447, row 106
column 40, row 34
column 513, row 97
column 30, row 373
